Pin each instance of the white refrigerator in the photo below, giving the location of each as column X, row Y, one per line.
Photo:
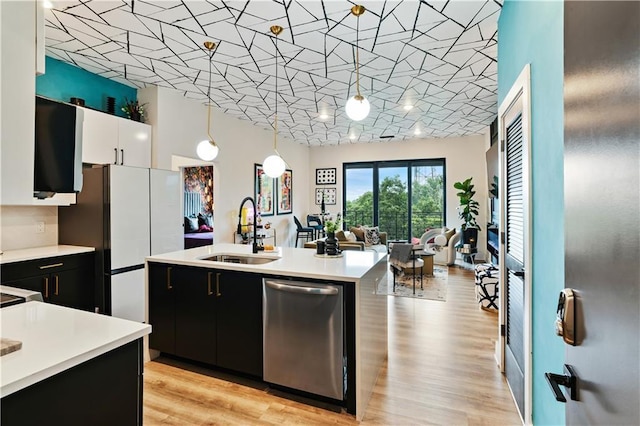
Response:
column 133, row 212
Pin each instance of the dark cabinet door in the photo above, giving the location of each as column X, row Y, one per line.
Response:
column 239, row 318
column 195, row 309
column 37, row 283
column 162, row 308
column 72, row 288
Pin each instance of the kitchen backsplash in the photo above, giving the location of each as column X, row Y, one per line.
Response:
column 26, row 227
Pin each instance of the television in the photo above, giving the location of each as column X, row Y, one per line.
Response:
column 493, row 170
column 58, row 148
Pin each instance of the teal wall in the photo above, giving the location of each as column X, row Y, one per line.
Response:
column 62, row 82
column 531, row 32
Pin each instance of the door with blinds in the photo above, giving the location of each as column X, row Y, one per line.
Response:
column 515, row 285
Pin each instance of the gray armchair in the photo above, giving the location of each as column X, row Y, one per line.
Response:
column 445, row 254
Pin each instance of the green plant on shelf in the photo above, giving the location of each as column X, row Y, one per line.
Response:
column 332, row 226
column 134, row 110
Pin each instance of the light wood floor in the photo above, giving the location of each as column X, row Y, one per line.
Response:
column 440, row 370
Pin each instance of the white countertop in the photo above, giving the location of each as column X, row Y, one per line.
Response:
column 10, row 256
column 293, row 262
column 54, row 339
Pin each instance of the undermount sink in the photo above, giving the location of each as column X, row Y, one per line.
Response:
column 246, row 260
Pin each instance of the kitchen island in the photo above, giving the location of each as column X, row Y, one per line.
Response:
column 74, row 367
column 206, row 304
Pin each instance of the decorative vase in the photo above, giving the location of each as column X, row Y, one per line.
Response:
column 331, row 244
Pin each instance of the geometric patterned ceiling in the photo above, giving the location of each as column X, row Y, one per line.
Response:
column 428, row 68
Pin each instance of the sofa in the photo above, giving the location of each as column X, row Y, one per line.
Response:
column 445, row 254
column 354, row 240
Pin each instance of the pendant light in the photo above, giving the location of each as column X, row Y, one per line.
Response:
column 358, row 106
column 207, row 150
column 274, row 165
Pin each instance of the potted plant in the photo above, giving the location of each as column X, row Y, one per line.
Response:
column 468, row 211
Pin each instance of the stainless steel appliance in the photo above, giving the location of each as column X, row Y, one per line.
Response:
column 303, row 336
column 10, row 296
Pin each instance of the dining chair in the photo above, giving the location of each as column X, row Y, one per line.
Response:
column 402, row 258
column 303, row 232
column 315, row 223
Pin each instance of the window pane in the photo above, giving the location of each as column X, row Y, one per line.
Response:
column 359, row 197
column 427, row 198
column 392, row 202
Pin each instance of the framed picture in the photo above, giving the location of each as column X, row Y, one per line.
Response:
column 326, row 176
column 285, row 192
column 263, row 191
column 328, row 193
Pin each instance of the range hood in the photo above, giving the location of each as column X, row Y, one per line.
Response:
column 58, row 148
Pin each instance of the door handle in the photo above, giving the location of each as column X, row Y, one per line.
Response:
column 46, row 287
column 115, row 150
column 122, row 157
column 218, row 294
column 569, row 380
column 169, row 286
column 519, row 274
column 209, row 292
column 55, row 292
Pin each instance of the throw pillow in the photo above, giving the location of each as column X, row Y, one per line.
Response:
column 358, row 232
column 371, row 235
column 351, row 236
column 340, row 235
column 190, row 224
column 204, row 220
column 450, row 233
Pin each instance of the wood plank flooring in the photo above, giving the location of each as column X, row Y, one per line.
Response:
column 440, row 370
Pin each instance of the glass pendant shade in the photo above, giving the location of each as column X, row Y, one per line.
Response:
column 207, row 150
column 273, row 166
column 357, row 108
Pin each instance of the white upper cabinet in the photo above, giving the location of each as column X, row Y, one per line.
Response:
column 99, row 138
column 108, row 139
column 134, row 141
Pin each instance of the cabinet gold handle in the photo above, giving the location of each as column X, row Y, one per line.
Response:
column 56, row 290
column 169, row 286
column 46, row 287
column 209, row 292
column 53, row 265
column 218, row 294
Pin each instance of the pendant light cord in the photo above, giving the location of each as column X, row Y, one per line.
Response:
column 275, row 123
column 358, row 55
column 209, row 98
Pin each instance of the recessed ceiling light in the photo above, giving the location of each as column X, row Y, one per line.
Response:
column 47, row 4
column 352, row 137
column 408, row 107
column 323, row 116
column 417, row 132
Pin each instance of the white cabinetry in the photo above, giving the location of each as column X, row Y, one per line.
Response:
column 18, row 90
column 108, row 139
column 134, row 140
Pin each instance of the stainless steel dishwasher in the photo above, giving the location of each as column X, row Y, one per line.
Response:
column 303, row 336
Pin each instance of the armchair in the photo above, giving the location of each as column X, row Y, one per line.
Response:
column 445, row 254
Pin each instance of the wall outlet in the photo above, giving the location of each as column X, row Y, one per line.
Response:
column 39, row 227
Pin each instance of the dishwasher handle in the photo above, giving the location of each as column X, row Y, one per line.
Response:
column 325, row 291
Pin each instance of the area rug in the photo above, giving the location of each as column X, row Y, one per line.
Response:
column 434, row 288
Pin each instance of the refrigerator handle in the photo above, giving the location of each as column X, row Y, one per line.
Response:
column 115, row 150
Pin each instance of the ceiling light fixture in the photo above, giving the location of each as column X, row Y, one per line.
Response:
column 274, row 165
column 207, row 150
column 408, row 107
column 47, row 4
column 358, row 106
column 323, row 116
column 417, row 132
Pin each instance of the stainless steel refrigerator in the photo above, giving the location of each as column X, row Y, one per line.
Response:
column 126, row 213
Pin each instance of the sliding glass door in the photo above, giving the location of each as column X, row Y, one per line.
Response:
column 403, row 198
